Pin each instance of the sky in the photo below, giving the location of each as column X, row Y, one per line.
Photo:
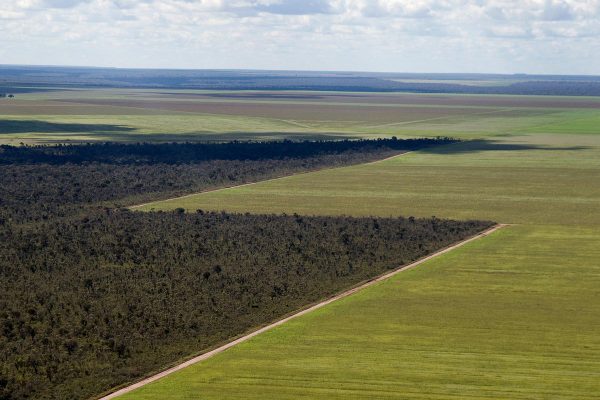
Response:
column 529, row 36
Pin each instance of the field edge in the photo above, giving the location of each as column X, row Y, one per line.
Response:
column 238, row 339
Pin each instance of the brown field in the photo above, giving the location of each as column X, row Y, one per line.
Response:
column 319, row 112
column 445, row 100
column 382, row 108
column 75, row 107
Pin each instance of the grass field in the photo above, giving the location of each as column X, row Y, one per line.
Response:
column 540, row 179
column 134, row 115
column 515, row 315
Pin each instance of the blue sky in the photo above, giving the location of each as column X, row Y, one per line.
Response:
column 531, row 36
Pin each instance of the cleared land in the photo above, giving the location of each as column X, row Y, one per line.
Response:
column 134, row 115
column 178, row 199
column 542, row 179
column 515, row 315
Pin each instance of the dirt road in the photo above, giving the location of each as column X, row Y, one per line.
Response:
column 347, row 293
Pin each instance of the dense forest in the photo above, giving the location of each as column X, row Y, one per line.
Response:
column 94, row 295
column 100, row 300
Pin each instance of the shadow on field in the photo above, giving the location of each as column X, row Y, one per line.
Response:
column 73, row 132
column 476, row 146
column 28, row 126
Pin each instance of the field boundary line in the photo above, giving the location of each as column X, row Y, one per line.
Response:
column 302, row 312
column 438, row 118
column 265, row 180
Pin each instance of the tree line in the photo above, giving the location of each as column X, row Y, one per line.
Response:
column 186, row 153
column 39, row 182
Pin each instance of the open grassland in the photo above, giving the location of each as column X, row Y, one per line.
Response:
column 136, row 114
column 514, row 315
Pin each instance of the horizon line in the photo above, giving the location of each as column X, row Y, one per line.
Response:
column 514, row 74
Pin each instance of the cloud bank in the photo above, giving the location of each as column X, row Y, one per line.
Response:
column 535, row 36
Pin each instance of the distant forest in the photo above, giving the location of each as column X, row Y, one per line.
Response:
column 94, row 296
column 19, row 79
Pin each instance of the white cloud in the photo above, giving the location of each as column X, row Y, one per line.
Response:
column 399, row 35
column 63, row 3
column 293, row 7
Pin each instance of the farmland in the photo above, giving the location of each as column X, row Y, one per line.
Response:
column 284, row 199
column 514, row 315
column 167, row 115
column 542, row 179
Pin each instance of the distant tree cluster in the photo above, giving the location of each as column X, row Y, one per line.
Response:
column 94, row 296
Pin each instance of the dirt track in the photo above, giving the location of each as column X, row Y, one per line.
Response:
column 266, row 180
column 347, row 293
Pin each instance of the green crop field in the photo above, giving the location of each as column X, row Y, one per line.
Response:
column 177, row 115
column 511, row 316
column 515, row 315
column 542, row 179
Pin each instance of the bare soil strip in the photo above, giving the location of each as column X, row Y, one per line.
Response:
column 266, row 180
column 347, row 293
